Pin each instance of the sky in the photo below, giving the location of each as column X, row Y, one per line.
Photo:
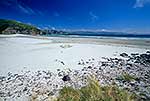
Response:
column 116, row 15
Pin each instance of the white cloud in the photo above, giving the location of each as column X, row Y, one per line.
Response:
column 26, row 9
column 19, row 6
column 140, row 3
column 93, row 16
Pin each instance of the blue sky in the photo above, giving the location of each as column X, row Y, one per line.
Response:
column 116, row 15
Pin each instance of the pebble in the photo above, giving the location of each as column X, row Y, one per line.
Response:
column 66, row 78
column 45, row 82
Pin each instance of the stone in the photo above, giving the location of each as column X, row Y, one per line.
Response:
column 62, row 62
column 79, row 63
column 58, row 69
column 89, row 67
column 134, row 54
column 87, row 62
column 66, row 78
column 148, row 52
column 124, row 55
column 25, row 89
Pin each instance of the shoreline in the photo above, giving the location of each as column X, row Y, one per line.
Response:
column 37, row 52
column 127, row 42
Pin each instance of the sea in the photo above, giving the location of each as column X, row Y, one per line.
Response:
column 103, row 36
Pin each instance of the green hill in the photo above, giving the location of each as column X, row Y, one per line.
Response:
column 14, row 27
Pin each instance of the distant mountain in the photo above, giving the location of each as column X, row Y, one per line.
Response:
column 51, row 32
column 108, row 34
column 94, row 33
column 14, row 27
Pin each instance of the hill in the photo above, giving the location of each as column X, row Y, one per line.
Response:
column 14, row 27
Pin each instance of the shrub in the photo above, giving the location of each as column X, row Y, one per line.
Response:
column 94, row 92
column 127, row 77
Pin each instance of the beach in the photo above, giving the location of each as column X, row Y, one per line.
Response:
column 38, row 67
column 37, row 53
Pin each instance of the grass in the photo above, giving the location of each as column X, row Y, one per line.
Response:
column 127, row 77
column 94, row 92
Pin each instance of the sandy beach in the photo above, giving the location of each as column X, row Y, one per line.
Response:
column 74, row 50
column 19, row 52
column 35, row 66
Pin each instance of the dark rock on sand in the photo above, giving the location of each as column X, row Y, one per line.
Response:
column 148, row 52
column 60, row 74
column 124, row 55
column 66, row 78
column 62, row 62
column 58, row 69
column 25, row 89
column 134, row 54
column 79, row 63
column 89, row 67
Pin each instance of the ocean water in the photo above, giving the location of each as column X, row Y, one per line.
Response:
column 103, row 36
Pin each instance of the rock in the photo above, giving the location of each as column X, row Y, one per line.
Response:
column 104, row 64
column 9, row 74
column 66, row 78
column 84, row 73
column 134, row 54
column 2, row 78
column 79, row 63
column 124, row 55
column 95, row 67
column 47, row 77
column 87, row 62
column 50, row 94
column 89, row 67
column 128, row 67
column 60, row 74
column 132, row 83
column 20, row 84
column 148, row 52
column 25, row 89
column 76, row 72
column 8, row 78
column 58, row 69
column 62, row 62
column 129, row 64
column 143, row 55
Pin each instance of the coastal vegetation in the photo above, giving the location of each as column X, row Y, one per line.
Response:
column 14, row 27
column 95, row 92
column 126, row 77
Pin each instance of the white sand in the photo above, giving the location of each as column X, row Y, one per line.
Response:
column 39, row 54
